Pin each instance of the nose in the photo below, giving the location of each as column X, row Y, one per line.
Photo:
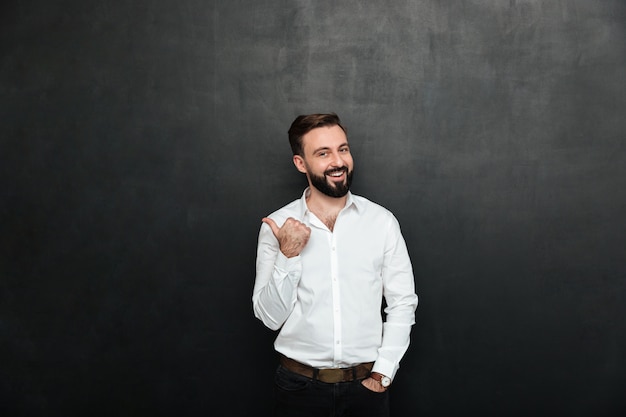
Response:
column 337, row 160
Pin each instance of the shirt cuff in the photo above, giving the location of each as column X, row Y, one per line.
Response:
column 385, row 367
column 287, row 264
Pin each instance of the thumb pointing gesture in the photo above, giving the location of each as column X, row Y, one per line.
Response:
column 272, row 224
column 292, row 236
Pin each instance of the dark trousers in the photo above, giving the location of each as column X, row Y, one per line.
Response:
column 298, row 396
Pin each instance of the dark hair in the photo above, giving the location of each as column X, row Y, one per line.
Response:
column 304, row 123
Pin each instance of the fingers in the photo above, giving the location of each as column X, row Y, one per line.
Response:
column 293, row 224
column 373, row 385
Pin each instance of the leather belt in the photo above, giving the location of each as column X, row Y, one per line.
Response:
column 330, row 376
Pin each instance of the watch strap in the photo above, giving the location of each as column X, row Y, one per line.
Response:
column 377, row 376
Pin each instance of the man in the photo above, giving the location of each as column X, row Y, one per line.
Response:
column 324, row 264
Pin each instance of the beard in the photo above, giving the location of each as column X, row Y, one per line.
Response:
column 335, row 190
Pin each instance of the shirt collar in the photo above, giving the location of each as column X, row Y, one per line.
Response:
column 350, row 201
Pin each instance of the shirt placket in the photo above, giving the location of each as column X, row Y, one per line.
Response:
column 334, row 273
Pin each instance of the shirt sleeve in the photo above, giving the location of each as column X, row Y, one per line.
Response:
column 276, row 283
column 401, row 300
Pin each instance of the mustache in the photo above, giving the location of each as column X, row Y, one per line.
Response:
column 334, row 170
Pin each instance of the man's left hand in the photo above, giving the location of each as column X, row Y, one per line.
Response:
column 373, row 385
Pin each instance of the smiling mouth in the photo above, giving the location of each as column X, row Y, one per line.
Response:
column 337, row 177
column 336, row 173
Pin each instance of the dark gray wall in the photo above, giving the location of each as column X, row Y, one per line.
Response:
column 142, row 142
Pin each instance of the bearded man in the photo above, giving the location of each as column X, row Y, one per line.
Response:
column 334, row 278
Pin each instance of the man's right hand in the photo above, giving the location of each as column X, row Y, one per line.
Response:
column 292, row 236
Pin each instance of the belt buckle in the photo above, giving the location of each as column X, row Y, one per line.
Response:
column 331, row 376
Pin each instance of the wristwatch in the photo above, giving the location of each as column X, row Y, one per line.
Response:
column 383, row 380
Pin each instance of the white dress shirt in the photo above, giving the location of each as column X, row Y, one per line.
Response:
column 327, row 301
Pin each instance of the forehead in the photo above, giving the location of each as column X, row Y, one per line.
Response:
column 324, row 137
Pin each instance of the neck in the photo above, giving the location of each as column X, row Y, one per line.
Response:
column 320, row 202
column 324, row 207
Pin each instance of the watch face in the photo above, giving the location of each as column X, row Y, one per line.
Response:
column 385, row 381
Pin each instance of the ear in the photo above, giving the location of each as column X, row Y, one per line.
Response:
column 298, row 161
